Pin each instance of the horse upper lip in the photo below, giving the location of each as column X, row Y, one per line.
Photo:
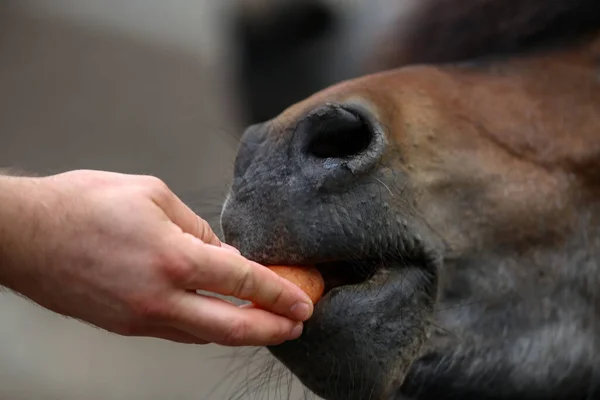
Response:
column 357, row 270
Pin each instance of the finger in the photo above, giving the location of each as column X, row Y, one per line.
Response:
column 172, row 335
column 186, row 219
column 221, row 271
column 223, row 323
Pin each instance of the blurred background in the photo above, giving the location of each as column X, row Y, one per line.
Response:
column 163, row 88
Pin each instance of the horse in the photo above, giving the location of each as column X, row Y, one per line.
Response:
column 451, row 200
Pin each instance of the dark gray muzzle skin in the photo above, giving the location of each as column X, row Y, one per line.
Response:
column 312, row 192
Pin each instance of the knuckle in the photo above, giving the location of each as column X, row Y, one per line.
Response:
column 175, row 268
column 203, row 229
column 277, row 296
column 237, row 333
column 153, row 181
column 158, row 188
column 147, row 309
column 205, row 232
column 245, row 284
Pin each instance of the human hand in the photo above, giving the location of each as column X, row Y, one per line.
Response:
column 122, row 252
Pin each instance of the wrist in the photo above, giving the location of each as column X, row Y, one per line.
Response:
column 17, row 216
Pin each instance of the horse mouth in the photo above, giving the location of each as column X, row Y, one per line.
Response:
column 352, row 273
column 348, row 273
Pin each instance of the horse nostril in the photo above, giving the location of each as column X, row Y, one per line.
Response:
column 336, row 132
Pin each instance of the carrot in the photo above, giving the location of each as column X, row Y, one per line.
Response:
column 307, row 278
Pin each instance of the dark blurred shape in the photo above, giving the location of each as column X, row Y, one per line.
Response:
column 281, row 55
column 442, row 31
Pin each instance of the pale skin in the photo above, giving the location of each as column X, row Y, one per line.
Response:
column 123, row 253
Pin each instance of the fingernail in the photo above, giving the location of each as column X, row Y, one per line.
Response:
column 296, row 332
column 230, row 248
column 301, row 311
